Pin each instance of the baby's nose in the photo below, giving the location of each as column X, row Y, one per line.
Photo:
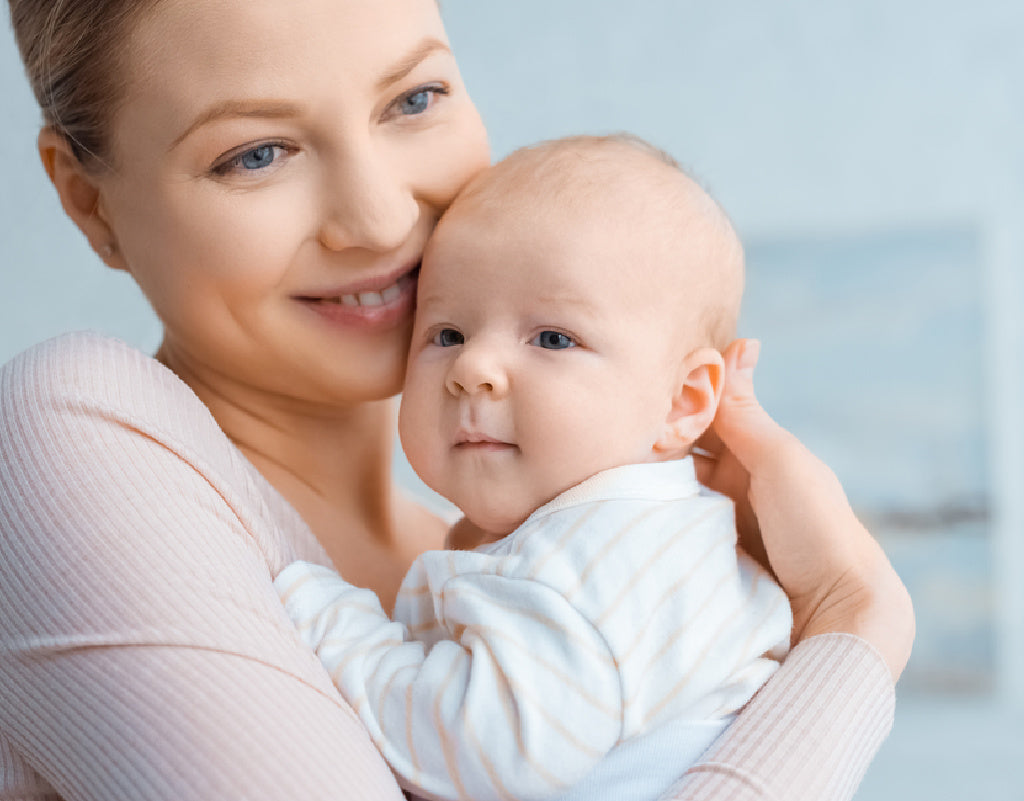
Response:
column 477, row 371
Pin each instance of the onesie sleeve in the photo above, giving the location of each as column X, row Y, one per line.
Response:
column 479, row 707
column 810, row 732
column 143, row 651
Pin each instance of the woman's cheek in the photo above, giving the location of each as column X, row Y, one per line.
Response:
column 266, row 226
column 459, row 151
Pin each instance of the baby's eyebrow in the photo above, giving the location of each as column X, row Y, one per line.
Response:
column 566, row 300
column 433, row 299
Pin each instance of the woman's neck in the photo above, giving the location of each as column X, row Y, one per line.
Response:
column 334, row 466
column 332, row 463
column 332, row 469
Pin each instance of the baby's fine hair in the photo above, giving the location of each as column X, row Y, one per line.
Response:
column 552, row 170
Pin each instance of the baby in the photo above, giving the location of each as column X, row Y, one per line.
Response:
column 565, row 357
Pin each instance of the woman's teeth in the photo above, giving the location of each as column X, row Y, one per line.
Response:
column 392, row 293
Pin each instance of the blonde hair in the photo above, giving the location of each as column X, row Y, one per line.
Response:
column 73, row 53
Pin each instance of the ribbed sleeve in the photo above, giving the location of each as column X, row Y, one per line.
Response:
column 143, row 651
column 810, row 733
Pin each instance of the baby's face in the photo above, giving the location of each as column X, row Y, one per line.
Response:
column 541, row 355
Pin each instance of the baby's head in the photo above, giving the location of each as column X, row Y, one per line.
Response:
column 571, row 310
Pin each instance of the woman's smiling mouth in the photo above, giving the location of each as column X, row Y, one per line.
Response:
column 374, row 307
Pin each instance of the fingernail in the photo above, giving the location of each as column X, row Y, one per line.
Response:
column 749, row 354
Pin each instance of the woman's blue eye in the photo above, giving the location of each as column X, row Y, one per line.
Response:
column 418, row 101
column 447, row 337
column 255, row 159
column 553, row 340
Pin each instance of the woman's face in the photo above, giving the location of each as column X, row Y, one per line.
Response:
column 277, row 172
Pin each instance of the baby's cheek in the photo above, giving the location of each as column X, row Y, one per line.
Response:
column 419, row 435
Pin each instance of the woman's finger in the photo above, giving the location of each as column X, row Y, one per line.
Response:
column 709, row 444
column 745, row 428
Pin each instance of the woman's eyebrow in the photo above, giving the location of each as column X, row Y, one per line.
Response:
column 410, row 62
column 282, row 109
column 266, row 109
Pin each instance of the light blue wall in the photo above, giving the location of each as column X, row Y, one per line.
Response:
column 49, row 280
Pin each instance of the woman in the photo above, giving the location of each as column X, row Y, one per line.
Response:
column 270, row 180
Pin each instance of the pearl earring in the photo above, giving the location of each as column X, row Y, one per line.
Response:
column 107, row 251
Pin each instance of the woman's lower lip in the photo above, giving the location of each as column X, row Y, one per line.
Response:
column 484, row 446
column 367, row 318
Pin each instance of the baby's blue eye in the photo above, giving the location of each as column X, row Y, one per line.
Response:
column 258, row 158
column 553, row 340
column 447, row 337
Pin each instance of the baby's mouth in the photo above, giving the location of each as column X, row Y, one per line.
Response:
column 482, row 442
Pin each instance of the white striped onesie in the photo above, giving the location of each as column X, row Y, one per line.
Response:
column 590, row 653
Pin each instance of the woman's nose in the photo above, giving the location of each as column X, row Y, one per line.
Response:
column 367, row 203
column 477, row 370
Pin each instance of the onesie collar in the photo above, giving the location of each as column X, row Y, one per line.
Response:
column 655, row 481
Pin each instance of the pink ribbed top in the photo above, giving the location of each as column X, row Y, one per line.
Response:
column 144, row 654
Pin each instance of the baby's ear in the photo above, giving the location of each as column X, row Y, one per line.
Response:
column 694, row 403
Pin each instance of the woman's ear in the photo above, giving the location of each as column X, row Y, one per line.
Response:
column 80, row 195
column 694, row 403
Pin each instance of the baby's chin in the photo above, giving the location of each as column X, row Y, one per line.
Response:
column 498, row 511
column 495, row 523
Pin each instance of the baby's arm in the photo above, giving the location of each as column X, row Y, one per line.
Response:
column 506, row 706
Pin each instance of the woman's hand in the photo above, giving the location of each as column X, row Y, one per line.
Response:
column 793, row 516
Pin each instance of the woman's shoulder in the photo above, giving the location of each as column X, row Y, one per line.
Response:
column 84, row 380
column 87, row 365
column 79, row 384
column 70, row 346
column 129, row 519
column 87, row 410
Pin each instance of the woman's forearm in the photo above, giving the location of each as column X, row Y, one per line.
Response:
column 810, row 733
column 166, row 723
